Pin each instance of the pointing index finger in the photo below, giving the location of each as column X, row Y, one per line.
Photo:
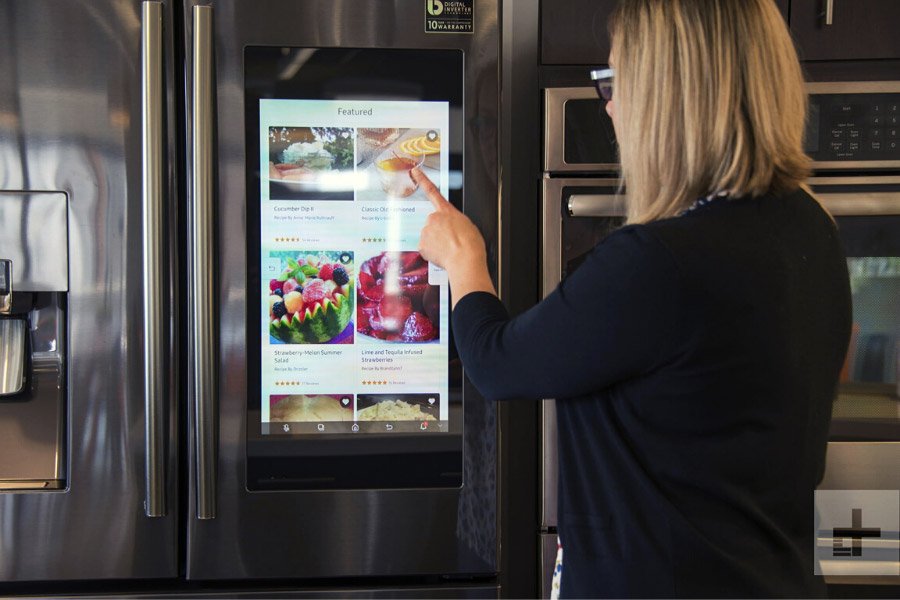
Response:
column 431, row 190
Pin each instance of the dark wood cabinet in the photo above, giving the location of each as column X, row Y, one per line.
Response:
column 860, row 29
column 574, row 32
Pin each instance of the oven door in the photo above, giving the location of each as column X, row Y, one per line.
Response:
column 864, row 447
column 577, row 214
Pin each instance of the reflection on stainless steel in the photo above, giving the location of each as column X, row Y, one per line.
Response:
column 153, row 137
column 12, row 356
column 276, row 534
column 203, row 264
column 33, row 232
column 66, row 70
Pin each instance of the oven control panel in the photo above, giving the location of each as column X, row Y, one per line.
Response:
column 853, row 127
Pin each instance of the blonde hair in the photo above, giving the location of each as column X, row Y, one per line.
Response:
column 712, row 100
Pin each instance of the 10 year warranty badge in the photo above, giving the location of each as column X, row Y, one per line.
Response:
column 449, row 16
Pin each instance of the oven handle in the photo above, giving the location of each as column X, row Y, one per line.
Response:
column 829, row 12
column 590, row 203
column 861, row 203
column 153, row 185
column 203, row 305
column 596, row 205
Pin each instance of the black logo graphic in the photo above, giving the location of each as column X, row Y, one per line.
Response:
column 856, row 532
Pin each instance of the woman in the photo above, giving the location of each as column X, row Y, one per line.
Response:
column 695, row 353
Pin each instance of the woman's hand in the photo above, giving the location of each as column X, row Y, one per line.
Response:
column 451, row 241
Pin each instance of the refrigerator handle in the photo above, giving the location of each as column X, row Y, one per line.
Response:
column 203, row 264
column 153, row 184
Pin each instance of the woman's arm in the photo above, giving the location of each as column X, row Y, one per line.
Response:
column 451, row 241
column 614, row 318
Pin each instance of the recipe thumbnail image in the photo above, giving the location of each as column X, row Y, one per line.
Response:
column 386, row 156
column 395, row 302
column 398, row 407
column 311, row 300
column 311, row 163
column 304, row 408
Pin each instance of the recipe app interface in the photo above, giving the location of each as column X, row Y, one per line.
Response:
column 354, row 321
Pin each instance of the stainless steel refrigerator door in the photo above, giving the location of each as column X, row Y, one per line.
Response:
column 70, row 122
column 328, row 533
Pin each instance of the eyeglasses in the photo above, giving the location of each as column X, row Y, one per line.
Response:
column 603, row 81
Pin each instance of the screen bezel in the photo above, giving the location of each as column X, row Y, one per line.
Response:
column 346, row 461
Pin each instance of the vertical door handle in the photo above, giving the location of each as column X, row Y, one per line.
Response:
column 203, row 305
column 153, row 184
column 829, row 12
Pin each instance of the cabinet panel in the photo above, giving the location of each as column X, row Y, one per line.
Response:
column 574, row 32
column 860, row 29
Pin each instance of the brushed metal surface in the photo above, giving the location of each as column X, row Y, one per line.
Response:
column 555, row 126
column 203, row 263
column 829, row 12
column 70, row 97
column 33, row 232
column 853, row 87
column 152, row 139
column 351, row 533
column 12, row 356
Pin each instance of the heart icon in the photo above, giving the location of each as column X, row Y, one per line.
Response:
column 431, row 401
column 345, row 401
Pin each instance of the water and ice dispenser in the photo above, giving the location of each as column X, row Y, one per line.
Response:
column 34, row 282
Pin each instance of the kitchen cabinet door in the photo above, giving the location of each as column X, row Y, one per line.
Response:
column 859, row 29
column 574, row 32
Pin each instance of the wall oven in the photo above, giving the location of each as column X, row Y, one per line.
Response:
column 852, row 137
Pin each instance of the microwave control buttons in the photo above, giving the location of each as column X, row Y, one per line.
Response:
column 876, row 133
column 894, row 108
column 893, row 133
column 893, row 120
column 875, row 145
column 853, row 134
column 853, row 146
column 877, row 121
column 838, row 133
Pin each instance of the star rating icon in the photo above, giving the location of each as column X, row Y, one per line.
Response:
column 288, row 383
column 287, row 239
column 374, row 382
column 374, row 239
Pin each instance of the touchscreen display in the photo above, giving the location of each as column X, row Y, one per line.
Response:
column 353, row 321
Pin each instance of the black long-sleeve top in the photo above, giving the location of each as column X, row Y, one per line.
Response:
column 694, row 361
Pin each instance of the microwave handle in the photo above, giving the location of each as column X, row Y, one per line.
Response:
column 203, row 305
column 152, row 189
column 829, row 12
